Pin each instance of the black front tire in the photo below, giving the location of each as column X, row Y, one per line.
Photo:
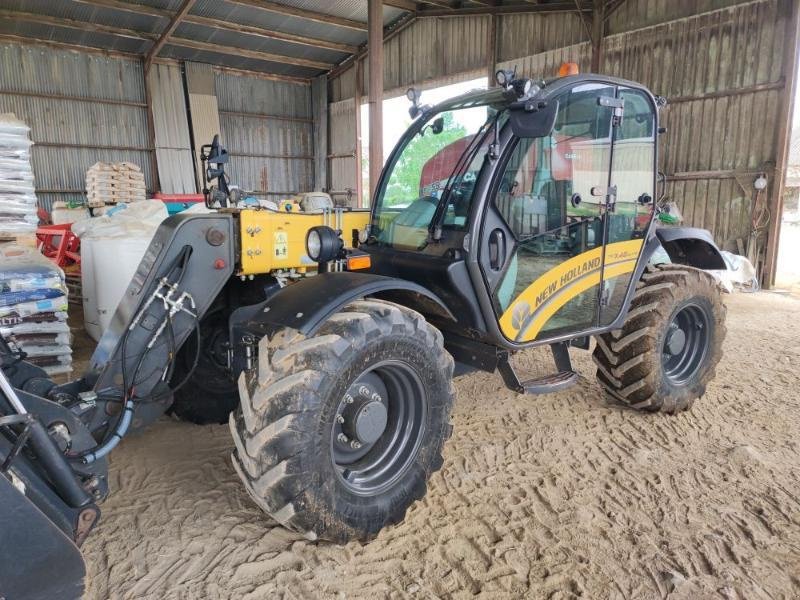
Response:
column 643, row 365
column 210, row 393
column 286, row 429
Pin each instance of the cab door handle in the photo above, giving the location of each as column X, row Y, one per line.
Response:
column 497, row 249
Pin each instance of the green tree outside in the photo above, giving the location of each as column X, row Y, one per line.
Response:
column 403, row 185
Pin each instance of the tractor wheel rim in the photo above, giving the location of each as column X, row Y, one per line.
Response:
column 686, row 343
column 378, row 427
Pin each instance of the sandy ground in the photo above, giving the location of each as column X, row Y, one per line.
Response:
column 559, row 496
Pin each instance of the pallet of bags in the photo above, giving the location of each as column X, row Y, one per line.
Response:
column 111, row 183
column 33, row 308
column 18, row 218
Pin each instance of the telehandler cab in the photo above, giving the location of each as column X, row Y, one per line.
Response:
column 518, row 216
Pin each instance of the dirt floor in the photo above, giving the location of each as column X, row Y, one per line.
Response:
column 559, row 496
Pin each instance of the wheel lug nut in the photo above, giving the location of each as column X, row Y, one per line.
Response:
column 355, row 445
column 364, row 391
column 377, row 397
column 339, row 419
column 348, row 399
column 342, row 438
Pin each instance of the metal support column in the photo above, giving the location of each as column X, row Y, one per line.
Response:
column 359, row 74
column 375, row 45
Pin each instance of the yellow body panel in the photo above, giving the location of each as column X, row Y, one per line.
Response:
column 273, row 240
column 527, row 314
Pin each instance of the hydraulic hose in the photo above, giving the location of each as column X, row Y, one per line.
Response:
column 116, row 437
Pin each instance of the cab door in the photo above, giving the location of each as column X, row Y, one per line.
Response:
column 630, row 206
column 544, row 254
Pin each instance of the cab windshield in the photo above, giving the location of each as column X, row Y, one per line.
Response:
column 437, row 159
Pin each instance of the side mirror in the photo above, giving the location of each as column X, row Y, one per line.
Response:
column 535, row 118
column 438, row 125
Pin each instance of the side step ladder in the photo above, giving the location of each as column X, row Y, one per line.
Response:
column 562, row 379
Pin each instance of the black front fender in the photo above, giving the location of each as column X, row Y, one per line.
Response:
column 305, row 305
column 691, row 246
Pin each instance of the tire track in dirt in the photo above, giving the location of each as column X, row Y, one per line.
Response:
column 559, row 496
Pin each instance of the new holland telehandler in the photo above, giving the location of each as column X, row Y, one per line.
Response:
column 519, row 216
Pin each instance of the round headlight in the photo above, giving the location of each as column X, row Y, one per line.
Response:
column 323, row 244
column 313, row 244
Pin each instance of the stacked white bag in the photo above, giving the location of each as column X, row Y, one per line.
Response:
column 33, row 308
column 17, row 198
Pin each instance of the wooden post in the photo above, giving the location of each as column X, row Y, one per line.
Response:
column 775, row 202
column 357, row 109
column 375, row 45
column 491, row 51
column 598, row 31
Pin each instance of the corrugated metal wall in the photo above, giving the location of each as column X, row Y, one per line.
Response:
column 440, row 50
column 722, row 72
column 95, row 112
column 636, row 14
column 534, row 33
column 432, row 49
column 267, row 127
column 546, row 64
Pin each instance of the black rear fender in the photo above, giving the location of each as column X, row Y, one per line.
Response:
column 691, row 246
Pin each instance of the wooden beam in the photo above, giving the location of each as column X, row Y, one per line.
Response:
column 446, row 4
column 168, row 31
column 262, row 32
column 137, row 9
column 189, row 18
column 406, row 5
column 255, row 54
column 302, row 13
column 32, row 41
column 612, row 6
column 491, row 52
column 555, row 7
column 71, row 24
column 596, row 33
column 89, row 99
column 375, row 45
column 260, row 75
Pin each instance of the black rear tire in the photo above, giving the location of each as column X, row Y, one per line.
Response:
column 211, row 393
column 667, row 351
column 296, row 457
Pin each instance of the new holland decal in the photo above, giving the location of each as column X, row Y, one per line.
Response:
column 527, row 314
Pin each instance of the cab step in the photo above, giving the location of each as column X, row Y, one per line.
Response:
column 562, row 379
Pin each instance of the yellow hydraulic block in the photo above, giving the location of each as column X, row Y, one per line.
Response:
column 275, row 240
